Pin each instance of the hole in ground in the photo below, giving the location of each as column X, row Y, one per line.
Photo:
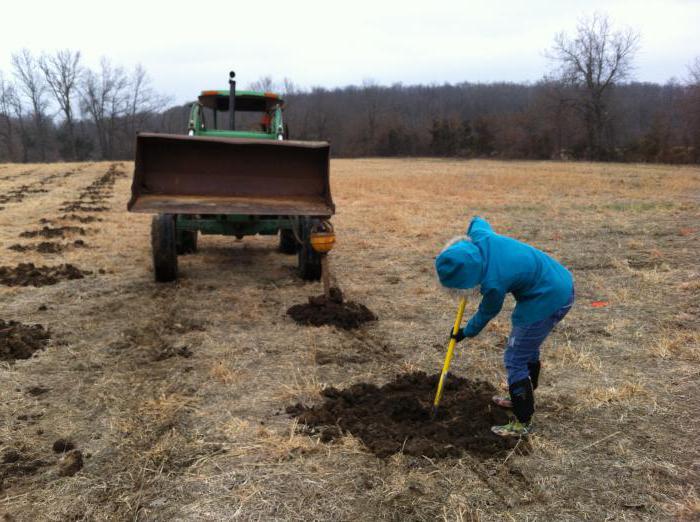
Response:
column 396, row 417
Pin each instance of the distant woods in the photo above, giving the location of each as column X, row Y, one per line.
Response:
column 586, row 106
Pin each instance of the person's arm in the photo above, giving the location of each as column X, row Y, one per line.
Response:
column 490, row 305
column 478, row 228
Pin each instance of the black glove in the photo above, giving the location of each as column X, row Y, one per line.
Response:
column 459, row 336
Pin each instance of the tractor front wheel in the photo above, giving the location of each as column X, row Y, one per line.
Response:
column 163, row 244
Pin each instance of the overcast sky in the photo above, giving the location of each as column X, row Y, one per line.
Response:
column 189, row 46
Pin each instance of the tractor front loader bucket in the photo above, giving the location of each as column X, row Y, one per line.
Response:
column 177, row 174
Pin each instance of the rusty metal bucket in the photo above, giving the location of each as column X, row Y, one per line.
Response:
column 177, row 174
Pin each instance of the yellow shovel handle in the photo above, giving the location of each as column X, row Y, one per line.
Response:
column 450, row 351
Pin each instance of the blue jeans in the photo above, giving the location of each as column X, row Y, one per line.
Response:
column 524, row 343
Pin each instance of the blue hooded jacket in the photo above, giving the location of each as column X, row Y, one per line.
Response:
column 500, row 264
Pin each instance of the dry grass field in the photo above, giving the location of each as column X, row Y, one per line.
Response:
column 175, row 394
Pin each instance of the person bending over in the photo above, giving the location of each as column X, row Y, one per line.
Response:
column 544, row 293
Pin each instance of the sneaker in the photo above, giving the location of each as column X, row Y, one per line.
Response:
column 502, row 402
column 513, row 429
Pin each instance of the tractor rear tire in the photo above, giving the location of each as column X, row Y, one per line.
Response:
column 186, row 242
column 163, row 244
column 309, row 265
column 288, row 243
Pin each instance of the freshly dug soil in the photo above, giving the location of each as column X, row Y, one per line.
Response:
column 49, row 232
column 26, row 274
column 46, row 247
column 321, row 310
column 396, row 417
column 63, row 446
column 79, row 207
column 20, row 341
column 93, row 196
column 70, row 463
column 80, row 219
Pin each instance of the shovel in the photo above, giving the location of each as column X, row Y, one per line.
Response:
column 448, row 357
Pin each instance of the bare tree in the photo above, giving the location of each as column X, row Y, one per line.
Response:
column 61, row 73
column 691, row 112
column 371, row 104
column 594, row 60
column 264, row 83
column 142, row 103
column 104, row 98
column 32, row 86
column 7, row 102
column 694, row 72
column 289, row 88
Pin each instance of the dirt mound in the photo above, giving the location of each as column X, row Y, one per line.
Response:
column 70, row 463
column 63, row 446
column 46, row 247
column 49, row 232
column 81, row 219
column 20, row 341
column 396, row 417
column 93, row 197
column 321, row 310
column 15, row 465
column 20, row 193
column 26, row 274
column 79, row 207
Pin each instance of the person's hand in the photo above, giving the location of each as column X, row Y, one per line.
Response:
column 459, row 336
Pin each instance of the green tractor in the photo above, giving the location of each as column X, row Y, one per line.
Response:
column 244, row 179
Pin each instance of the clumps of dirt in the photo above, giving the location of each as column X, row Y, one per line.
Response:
column 321, row 310
column 27, row 274
column 17, row 464
column 49, row 232
column 20, row 341
column 70, row 463
column 80, row 219
column 36, row 391
column 18, row 194
column 10, row 455
column 79, row 207
column 62, row 446
column 46, row 247
column 396, row 417
column 93, row 197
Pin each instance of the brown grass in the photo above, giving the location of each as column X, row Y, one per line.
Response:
column 176, row 393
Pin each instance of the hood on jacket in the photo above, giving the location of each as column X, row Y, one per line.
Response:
column 459, row 265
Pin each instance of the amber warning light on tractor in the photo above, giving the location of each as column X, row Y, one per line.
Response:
column 322, row 242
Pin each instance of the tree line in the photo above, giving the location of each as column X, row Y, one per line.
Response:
column 585, row 107
column 54, row 108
